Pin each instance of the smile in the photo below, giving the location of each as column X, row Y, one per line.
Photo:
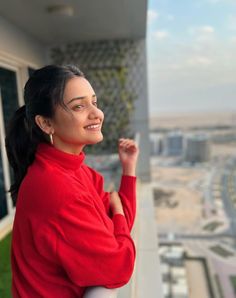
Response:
column 92, row 126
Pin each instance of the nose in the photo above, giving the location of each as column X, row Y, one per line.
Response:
column 95, row 113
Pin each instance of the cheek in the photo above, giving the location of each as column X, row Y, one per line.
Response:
column 64, row 123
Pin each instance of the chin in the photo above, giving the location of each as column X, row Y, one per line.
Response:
column 96, row 140
column 100, row 139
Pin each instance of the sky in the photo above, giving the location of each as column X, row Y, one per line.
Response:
column 191, row 56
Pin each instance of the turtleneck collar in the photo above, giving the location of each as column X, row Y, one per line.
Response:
column 64, row 159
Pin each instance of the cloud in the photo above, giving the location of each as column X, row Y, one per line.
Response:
column 203, row 34
column 207, row 29
column 201, row 30
column 152, row 15
column 222, row 1
column 214, row 1
column 175, row 66
column 161, row 34
column 199, row 61
column 233, row 40
column 232, row 22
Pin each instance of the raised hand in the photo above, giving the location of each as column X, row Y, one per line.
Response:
column 128, row 154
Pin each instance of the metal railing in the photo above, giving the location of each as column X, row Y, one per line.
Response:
column 100, row 292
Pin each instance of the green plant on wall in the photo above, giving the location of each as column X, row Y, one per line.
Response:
column 118, row 107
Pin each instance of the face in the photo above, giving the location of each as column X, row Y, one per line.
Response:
column 82, row 124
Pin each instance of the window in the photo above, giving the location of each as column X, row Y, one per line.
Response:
column 9, row 103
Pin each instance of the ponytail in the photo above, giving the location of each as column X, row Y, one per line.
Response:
column 20, row 148
column 43, row 92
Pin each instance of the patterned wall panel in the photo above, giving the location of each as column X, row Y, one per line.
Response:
column 115, row 70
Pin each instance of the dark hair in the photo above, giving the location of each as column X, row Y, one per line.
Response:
column 43, row 92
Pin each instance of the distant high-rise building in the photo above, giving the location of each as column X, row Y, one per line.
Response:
column 197, row 148
column 174, row 143
column 156, row 140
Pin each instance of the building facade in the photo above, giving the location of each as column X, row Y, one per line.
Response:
column 111, row 51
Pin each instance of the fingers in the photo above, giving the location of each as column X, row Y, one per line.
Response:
column 128, row 153
column 127, row 144
column 114, row 194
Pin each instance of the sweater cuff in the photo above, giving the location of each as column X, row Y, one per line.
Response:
column 120, row 224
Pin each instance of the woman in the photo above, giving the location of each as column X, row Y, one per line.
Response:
column 68, row 233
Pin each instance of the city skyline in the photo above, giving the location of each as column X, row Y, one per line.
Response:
column 191, row 47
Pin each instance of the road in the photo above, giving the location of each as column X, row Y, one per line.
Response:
column 227, row 201
column 178, row 237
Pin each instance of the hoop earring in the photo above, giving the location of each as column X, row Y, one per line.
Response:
column 51, row 139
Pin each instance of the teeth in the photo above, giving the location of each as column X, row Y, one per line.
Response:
column 92, row 126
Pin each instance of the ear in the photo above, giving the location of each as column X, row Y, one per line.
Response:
column 44, row 124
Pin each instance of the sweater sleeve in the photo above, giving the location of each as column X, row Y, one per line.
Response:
column 92, row 253
column 98, row 181
column 127, row 193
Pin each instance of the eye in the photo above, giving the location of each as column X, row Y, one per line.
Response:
column 95, row 103
column 78, row 107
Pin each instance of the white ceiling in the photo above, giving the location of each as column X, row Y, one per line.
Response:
column 92, row 20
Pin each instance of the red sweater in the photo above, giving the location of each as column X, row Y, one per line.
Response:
column 63, row 237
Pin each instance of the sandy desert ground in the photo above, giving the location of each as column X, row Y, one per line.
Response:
column 186, row 120
column 187, row 201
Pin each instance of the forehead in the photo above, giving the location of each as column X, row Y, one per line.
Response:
column 77, row 86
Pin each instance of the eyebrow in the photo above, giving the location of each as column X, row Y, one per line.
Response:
column 80, row 98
